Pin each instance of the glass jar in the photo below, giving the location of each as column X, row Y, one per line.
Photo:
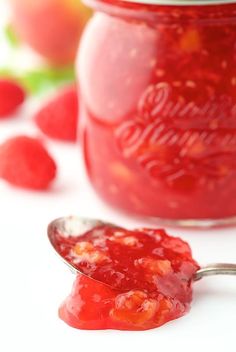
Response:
column 158, row 91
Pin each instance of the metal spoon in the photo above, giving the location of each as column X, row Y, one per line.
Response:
column 76, row 226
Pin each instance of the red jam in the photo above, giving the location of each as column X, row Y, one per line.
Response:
column 158, row 86
column 144, row 278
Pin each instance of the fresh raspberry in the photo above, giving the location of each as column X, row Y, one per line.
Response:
column 58, row 118
column 24, row 162
column 12, row 96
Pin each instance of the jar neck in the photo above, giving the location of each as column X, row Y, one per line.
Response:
column 182, row 2
column 168, row 11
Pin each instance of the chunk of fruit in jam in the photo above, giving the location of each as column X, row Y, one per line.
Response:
column 143, row 278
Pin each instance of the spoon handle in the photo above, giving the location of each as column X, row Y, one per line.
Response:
column 215, row 269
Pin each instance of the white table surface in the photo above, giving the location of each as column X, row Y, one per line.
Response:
column 34, row 282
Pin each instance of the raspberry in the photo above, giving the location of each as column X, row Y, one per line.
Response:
column 24, row 162
column 58, row 118
column 11, row 97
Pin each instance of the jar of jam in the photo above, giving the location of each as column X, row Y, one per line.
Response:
column 158, row 90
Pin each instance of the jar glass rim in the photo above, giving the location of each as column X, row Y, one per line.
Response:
column 182, row 2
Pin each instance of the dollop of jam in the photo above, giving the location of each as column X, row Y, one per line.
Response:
column 130, row 280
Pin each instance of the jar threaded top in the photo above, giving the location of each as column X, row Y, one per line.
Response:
column 183, row 2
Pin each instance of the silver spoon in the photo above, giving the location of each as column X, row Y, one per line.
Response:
column 75, row 226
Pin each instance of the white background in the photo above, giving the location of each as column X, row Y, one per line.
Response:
column 34, row 282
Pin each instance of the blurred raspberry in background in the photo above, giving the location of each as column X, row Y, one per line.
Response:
column 39, row 40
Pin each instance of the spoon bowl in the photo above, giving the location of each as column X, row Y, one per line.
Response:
column 73, row 226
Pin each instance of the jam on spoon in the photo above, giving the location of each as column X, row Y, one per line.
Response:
column 126, row 280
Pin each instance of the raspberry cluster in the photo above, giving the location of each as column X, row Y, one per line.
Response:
column 25, row 161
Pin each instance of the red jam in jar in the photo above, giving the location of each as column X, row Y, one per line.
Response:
column 158, row 89
column 143, row 278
